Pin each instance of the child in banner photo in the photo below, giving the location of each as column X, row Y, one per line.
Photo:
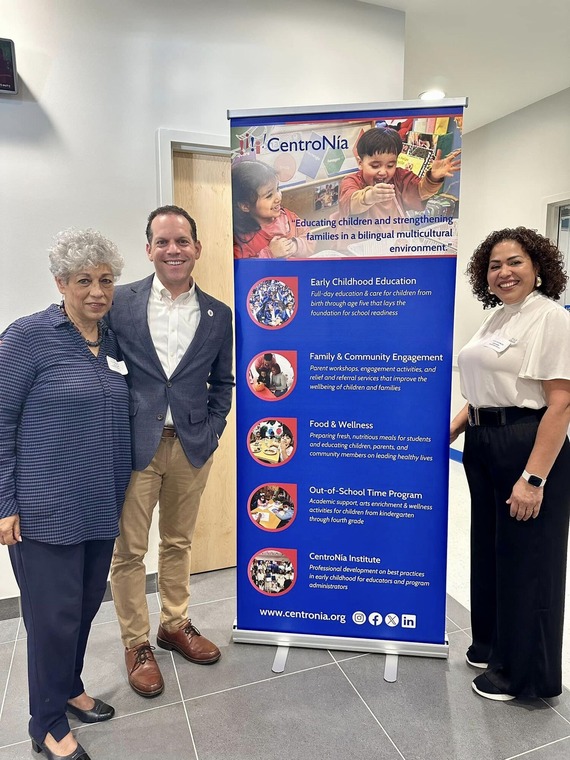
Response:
column 380, row 189
column 263, row 229
column 264, row 377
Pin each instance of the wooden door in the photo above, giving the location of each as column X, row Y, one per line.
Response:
column 202, row 187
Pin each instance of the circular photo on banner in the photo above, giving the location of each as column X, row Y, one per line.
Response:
column 272, row 442
column 272, row 303
column 273, row 506
column 285, row 166
column 272, row 375
column 273, row 571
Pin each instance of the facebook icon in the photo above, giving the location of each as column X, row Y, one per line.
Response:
column 375, row 618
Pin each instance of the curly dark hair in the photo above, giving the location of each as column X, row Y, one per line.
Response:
column 545, row 255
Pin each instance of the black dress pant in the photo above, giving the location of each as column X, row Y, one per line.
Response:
column 61, row 587
column 518, row 569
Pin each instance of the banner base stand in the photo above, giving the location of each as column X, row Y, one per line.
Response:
column 311, row 641
column 391, row 668
column 280, row 659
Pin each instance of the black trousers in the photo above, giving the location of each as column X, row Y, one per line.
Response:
column 518, row 569
column 61, row 590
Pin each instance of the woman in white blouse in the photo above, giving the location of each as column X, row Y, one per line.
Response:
column 515, row 375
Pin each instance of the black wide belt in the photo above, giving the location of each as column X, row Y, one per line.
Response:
column 498, row 416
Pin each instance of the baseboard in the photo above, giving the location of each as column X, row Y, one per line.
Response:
column 10, row 608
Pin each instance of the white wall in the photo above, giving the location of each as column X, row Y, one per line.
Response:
column 77, row 144
column 99, row 78
column 509, row 169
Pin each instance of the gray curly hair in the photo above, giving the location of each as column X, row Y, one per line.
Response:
column 74, row 250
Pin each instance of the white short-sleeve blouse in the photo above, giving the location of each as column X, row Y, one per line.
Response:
column 514, row 350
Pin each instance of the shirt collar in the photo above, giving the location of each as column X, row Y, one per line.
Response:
column 56, row 316
column 160, row 293
column 514, row 307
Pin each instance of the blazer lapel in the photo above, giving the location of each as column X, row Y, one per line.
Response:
column 138, row 304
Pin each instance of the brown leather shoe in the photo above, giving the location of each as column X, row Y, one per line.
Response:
column 144, row 674
column 189, row 642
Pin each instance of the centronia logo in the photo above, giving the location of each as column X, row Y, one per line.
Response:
column 336, row 142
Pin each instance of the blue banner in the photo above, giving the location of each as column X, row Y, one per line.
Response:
column 345, row 249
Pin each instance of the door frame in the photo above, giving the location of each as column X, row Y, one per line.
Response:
column 169, row 140
column 199, row 146
column 551, row 207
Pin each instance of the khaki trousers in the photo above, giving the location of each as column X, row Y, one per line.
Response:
column 171, row 480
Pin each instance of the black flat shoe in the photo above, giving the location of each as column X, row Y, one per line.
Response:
column 77, row 754
column 98, row 713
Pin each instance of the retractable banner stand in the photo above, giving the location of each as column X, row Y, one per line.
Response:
column 345, row 239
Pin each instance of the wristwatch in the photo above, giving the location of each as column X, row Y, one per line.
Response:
column 533, row 480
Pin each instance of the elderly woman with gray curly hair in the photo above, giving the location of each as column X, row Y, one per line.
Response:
column 65, row 463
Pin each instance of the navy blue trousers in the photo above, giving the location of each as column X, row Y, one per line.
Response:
column 61, row 589
column 518, row 569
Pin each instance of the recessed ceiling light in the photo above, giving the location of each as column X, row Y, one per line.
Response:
column 432, row 95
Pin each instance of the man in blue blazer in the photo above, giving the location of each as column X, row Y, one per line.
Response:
column 177, row 343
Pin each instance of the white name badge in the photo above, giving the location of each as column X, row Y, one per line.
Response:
column 116, row 366
column 498, row 344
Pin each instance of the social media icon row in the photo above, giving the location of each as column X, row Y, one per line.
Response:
column 390, row 619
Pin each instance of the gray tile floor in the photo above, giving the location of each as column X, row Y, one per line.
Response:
column 325, row 705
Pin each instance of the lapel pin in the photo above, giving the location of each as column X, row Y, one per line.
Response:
column 210, row 313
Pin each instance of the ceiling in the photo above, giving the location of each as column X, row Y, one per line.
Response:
column 501, row 54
